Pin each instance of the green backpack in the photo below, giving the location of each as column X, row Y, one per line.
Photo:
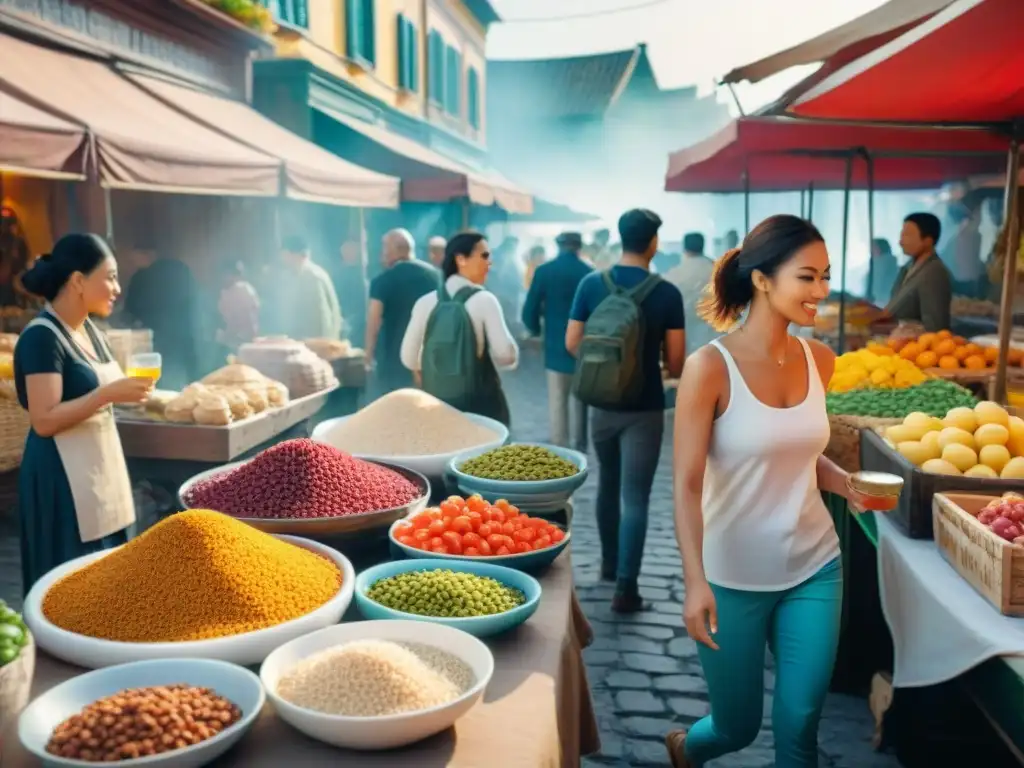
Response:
column 609, row 361
column 449, row 364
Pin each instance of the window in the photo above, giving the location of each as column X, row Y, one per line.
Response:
column 360, row 41
column 473, row 98
column 408, row 55
column 452, row 81
column 435, row 67
column 293, row 12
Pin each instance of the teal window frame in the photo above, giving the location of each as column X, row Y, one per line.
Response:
column 452, row 81
column 473, row 97
column 360, row 32
column 408, row 55
column 435, row 68
column 295, row 13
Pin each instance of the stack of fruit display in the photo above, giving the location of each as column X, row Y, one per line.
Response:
column 982, row 442
column 1005, row 517
column 935, row 397
column 874, row 367
column 945, row 351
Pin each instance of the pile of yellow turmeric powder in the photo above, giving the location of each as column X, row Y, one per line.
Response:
column 195, row 576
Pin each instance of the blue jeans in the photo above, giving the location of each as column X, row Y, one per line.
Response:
column 801, row 626
column 628, row 446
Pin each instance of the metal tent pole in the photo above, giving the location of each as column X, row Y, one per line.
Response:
column 871, row 223
column 842, row 268
column 746, row 204
column 1009, row 267
column 810, row 201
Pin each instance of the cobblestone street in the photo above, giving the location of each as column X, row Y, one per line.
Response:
column 643, row 669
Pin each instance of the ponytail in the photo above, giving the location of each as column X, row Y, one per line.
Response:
column 727, row 294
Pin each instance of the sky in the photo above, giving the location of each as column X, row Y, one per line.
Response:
column 690, row 42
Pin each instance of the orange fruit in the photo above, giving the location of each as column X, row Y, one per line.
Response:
column 974, row 363
column 911, row 351
column 949, row 363
column 961, row 353
column 1015, row 356
column 974, row 349
column 926, row 340
column 991, row 354
column 897, row 344
column 959, row 340
column 943, row 347
column 945, row 334
column 927, row 359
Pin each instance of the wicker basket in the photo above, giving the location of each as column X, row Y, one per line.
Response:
column 844, row 441
column 16, row 685
column 14, row 426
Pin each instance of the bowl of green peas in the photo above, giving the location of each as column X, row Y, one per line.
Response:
column 534, row 476
column 17, row 664
column 479, row 598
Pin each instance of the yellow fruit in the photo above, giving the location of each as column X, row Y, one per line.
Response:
column 981, row 471
column 901, row 433
column 951, row 435
column 940, row 467
column 881, row 377
column 1014, row 470
column 930, row 442
column 992, row 434
column 1016, row 441
column 960, row 456
column 991, row 413
column 936, row 424
column 994, row 456
column 964, row 418
column 916, row 453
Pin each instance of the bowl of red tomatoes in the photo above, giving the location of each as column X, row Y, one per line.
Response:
column 478, row 530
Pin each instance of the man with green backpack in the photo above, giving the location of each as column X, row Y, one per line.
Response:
column 624, row 323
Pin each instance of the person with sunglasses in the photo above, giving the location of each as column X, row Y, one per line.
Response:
column 457, row 337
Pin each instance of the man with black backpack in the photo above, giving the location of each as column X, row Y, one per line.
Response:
column 624, row 323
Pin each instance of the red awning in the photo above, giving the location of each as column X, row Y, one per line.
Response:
column 140, row 142
column 963, row 65
column 782, row 154
column 427, row 176
column 35, row 143
column 311, row 173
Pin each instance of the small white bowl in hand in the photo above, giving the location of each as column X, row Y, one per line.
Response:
column 390, row 731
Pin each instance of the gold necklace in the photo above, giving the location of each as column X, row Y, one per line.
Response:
column 781, row 362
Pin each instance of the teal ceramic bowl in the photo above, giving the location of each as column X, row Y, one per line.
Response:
column 479, row 626
column 528, row 495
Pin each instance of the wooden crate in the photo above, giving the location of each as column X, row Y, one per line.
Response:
column 990, row 564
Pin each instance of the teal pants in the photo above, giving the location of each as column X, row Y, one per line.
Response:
column 801, row 626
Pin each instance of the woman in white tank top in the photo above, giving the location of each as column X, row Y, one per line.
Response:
column 760, row 551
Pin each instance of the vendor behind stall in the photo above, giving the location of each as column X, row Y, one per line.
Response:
column 923, row 291
column 74, row 494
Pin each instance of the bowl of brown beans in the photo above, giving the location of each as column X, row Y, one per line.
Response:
column 172, row 713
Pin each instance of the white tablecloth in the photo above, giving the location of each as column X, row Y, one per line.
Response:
column 941, row 627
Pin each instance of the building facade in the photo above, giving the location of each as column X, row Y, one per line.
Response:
column 414, row 67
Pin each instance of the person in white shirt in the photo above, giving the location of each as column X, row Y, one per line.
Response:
column 691, row 277
column 760, row 552
column 435, row 250
column 467, row 261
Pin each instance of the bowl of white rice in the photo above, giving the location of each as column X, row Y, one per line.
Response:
column 375, row 685
column 412, row 429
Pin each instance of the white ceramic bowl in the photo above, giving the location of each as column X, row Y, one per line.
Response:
column 239, row 685
column 247, row 649
column 430, row 466
column 373, row 733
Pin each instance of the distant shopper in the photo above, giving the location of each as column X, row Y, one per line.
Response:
column 238, row 306
column 435, row 250
column 457, row 337
column 923, row 292
column 884, row 268
column 691, row 277
column 621, row 322
column 349, row 275
column 546, row 313
column 393, row 293
column 962, row 252
column 536, row 256
column 310, row 308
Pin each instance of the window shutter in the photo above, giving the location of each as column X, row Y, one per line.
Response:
column 403, row 53
column 473, row 97
column 359, row 35
column 414, row 58
column 369, row 28
column 435, row 66
column 453, row 80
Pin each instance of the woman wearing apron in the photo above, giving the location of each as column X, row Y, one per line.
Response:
column 74, row 494
column 467, row 260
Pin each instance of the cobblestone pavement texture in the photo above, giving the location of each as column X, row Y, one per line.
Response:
column 643, row 669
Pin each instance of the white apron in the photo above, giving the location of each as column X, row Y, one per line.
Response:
column 92, row 456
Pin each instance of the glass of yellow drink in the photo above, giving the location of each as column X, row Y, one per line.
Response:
column 145, row 365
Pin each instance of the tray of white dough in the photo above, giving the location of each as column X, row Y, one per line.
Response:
column 412, row 429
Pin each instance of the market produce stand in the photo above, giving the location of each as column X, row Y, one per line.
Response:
column 539, row 680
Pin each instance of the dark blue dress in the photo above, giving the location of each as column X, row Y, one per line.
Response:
column 46, row 509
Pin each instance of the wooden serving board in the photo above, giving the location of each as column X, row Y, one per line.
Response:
column 148, row 439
